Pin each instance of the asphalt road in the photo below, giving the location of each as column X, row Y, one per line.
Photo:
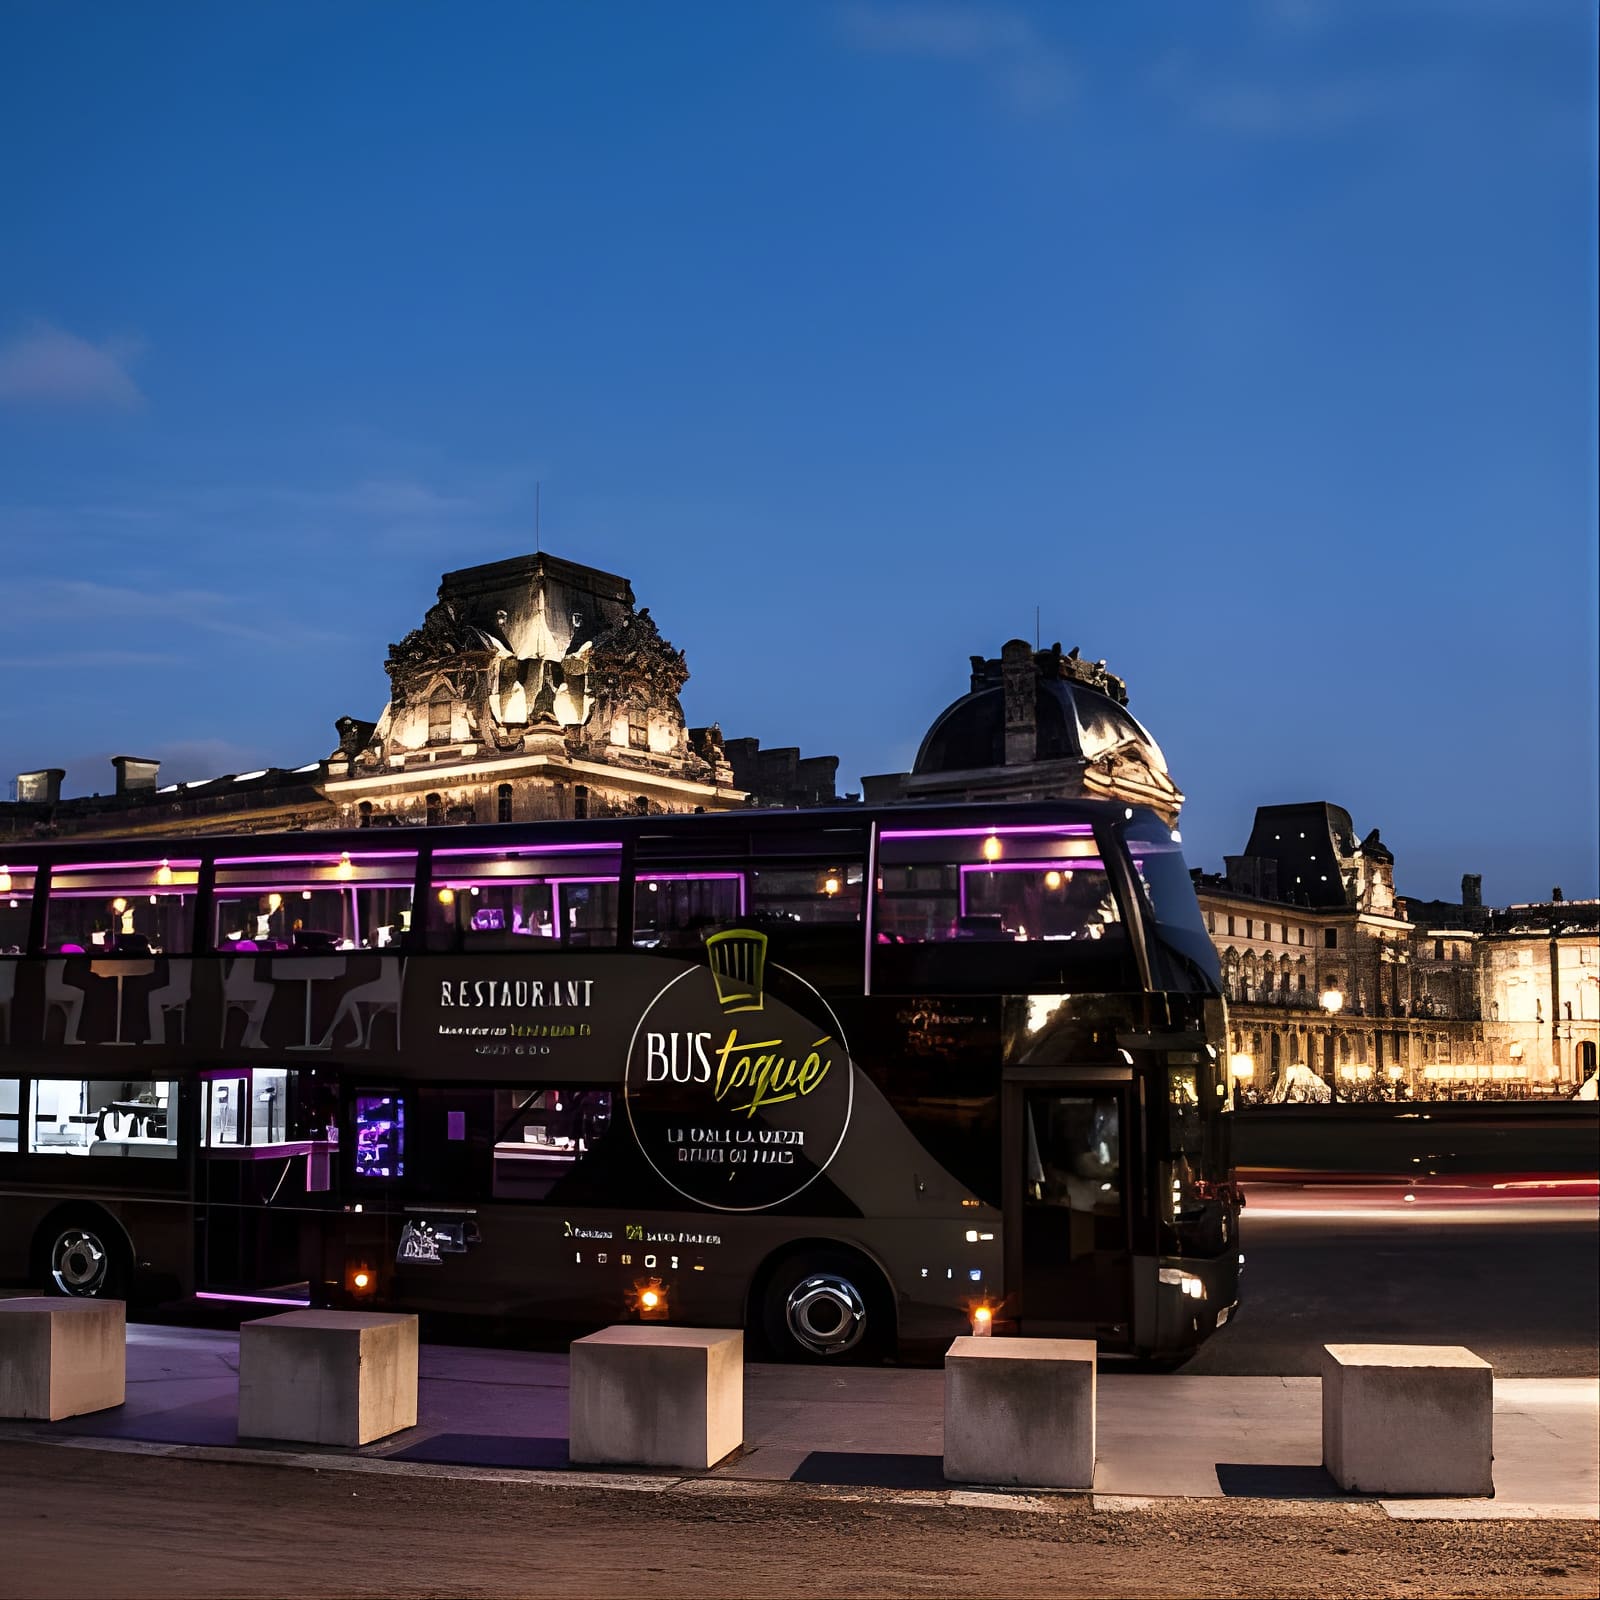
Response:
column 1514, row 1277
column 82, row 1522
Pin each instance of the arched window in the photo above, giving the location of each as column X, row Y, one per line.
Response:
column 641, row 804
column 435, row 806
column 503, row 795
column 439, row 707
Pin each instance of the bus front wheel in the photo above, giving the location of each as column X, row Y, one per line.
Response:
column 826, row 1306
column 83, row 1257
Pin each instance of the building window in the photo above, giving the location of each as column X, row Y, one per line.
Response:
column 1211, row 922
column 1302, row 933
column 638, row 735
column 1249, row 927
column 1438, row 949
column 435, row 805
column 1330, row 938
column 641, row 804
column 503, row 798
column 80, row 1116
column 439, row 707
column 365, row 812
column 1230, row 927
column 580, row 801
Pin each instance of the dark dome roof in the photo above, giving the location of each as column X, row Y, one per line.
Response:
column 1071, row 719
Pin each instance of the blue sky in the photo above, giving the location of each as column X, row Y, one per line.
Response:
column 1254, row 343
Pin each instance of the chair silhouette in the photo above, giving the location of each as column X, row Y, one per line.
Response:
column 242, row 991
column 68, row 996
column 173, row 997
column 380, row 995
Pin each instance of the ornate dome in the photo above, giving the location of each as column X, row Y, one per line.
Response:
column 1071, row 721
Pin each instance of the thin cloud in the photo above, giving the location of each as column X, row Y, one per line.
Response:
column 68, row 660
column 47, row 366
column 1033, row 74
column 84, row 600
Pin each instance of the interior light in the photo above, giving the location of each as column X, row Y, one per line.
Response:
column 447, row 897
column 164, row 872
column 361, row 1280
column 831, row 886
column 119, row 905
column 972, row 1235
column 649, row 1299
column 305, row 894
column 991, row 848
column 653, row 888
column 274, row 902
column 1052, row 879
column 982, row 1321
column 5, row 880
column 474, row 889
column 344, row 869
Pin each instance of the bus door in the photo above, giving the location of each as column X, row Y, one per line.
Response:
column 1071, row 1165
column 264, row 1177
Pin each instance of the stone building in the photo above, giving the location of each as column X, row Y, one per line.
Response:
column 533, row 688
column 1036, row 724
column 1333, row 977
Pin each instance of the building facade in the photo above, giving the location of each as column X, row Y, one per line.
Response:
column 533, row 688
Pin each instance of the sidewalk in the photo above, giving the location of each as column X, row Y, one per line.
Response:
column 867, row 1428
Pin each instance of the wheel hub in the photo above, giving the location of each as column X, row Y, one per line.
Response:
column 78, row 1263
column 826, row 1314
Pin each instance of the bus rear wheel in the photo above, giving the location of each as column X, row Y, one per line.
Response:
column 826, row 1306
column 83, row 1258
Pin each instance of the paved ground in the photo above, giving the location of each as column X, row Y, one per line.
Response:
column 1513, row 1276
column 1159, row 1434
column 87, row 1522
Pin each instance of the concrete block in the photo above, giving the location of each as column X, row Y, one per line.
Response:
column 328, row 1377
column 1020, row 1411
column 61, row 1358
column 1408, row 1419
column 656, row 1396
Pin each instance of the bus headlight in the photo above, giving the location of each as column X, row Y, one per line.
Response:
column 1193, row 1287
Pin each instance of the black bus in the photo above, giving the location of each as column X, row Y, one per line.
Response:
column 852, row 1078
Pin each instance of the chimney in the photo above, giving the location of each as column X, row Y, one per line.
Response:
column 41, row 788
column 1020, row 677
column 1471, row 889
column 136, row 774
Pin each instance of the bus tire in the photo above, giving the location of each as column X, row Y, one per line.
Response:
column 828, row 1306
column 83, row 1254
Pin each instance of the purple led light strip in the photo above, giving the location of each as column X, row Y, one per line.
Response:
column 253, row 1299
column 528, row 850
column 318, row 860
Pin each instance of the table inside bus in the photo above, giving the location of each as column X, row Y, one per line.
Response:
column 121, row 970
column 308, row 970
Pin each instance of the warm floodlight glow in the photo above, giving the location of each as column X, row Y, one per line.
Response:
column 831, row 886
column 1332, row 1001
column 344, row 869
column 164, row 872
column 649, row 1299
column 982, row 1321
column 1052, row 879
column 447, row 897
column 361, row 1280
column 1242, row 1067
column 991, row 848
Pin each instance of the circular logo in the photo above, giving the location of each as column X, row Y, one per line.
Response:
column 739, row 1079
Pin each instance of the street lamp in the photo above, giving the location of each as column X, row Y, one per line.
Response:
column 1332, row 1001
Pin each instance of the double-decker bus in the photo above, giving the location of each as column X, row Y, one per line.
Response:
column 852, row 1078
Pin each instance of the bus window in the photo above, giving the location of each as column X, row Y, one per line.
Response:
column 131, row 908
column 1176, row 923
column 380, row 1142
column 502, row 899
column 314, row 904
column 827, row 893
column 102, row 1117
column 253, row 1109
column 675, row 909
column 543, row 1135
column 10, row 1113
column 16, row 910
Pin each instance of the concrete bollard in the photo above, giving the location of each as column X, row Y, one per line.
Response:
column 328, row 1377
column 656, row 1396
column 61, row 1358
column 1020, row 1411
column 1408, row 1419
